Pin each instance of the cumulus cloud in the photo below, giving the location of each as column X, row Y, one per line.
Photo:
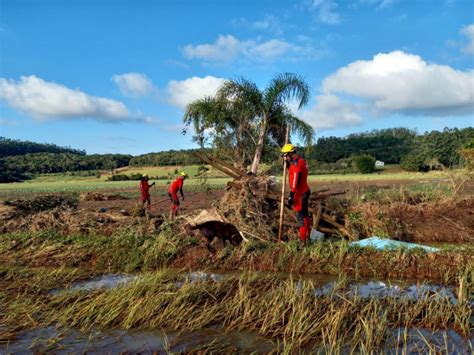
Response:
column 468, row 32
column 268, row 23
column 402, row 82
column 391, row 83
column 227, row 48
column 331, row 112
column 133, row 84
column 48, row 100
column 326, row 11
column 181, row 93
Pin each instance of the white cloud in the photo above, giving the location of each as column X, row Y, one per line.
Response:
column 228, row 48
column 378, row 4
column 268, row 23
column 330, row 112
column 326, row 11
column 392, row 83
column 48, row 100
column 133, row 84
column 468, row 31
column 181, row 93
column 405, row 83
column 225, row 48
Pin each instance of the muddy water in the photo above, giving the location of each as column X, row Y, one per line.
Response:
column 401, row 340
column 324, row 285
column 114, row 341
column 132, row 341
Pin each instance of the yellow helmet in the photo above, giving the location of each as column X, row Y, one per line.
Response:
column 288, row 148
column 183, row 174
column 144, row 175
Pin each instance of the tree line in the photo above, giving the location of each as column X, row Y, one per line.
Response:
column 10, row 147
column 415, row 152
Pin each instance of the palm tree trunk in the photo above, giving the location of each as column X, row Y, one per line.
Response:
column 259, row 149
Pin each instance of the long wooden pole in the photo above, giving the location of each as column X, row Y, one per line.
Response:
column 283, row 186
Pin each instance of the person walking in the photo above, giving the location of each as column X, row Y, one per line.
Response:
column 145, row 191
column 299, row 189
column 175, row 187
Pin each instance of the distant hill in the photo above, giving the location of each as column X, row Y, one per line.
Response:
column 11, row 147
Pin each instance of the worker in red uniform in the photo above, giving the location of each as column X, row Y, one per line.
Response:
column 299, row 189
column 175, row 187
column 145, row 191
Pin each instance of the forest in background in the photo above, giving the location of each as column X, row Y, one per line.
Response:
column 20, row 160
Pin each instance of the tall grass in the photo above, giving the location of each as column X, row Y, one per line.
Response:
column 286, row 310
column 136, row 249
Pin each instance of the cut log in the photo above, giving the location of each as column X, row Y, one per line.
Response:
column 317, row 216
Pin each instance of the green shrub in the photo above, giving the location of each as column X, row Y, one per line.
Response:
column 342, row 166
column 414, row 162
column 365, row 163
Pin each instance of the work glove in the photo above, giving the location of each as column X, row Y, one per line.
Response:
column 291, row 199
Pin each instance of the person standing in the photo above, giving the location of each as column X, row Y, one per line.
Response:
column 299, row 189
column 175, row 187
column 145, row 191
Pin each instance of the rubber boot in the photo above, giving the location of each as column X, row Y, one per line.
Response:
column 302, row 237
column 308, row 227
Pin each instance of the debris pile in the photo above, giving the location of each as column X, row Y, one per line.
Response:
column 43, row 203
column 60, row 213
column 252, row 204
column 96, row 196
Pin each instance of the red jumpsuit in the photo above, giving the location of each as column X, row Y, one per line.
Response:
column 176, row 185
column 298, row 178
column 145, row 192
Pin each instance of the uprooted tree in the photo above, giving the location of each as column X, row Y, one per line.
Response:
column 251, row 203
column 240, row 120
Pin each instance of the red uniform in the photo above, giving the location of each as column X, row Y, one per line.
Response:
column 145, row 192
column 299, row 189
column 176, row 185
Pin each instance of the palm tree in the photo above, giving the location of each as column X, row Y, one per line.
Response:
column 268, row 108
column 226, row 121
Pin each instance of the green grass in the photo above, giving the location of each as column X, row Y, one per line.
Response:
column 191, row 170
column 68, row 183
column 34, row 186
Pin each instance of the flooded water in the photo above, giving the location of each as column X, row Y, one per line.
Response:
column 215, row 339
column 133, row 341
column 324, row 285
column 401, row 340
column 106, row 281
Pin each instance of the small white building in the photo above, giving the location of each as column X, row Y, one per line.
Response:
column 379, row 163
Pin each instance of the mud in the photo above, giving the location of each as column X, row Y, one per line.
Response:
column 445, row 221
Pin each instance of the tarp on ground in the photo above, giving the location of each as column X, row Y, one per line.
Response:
column 384, row 244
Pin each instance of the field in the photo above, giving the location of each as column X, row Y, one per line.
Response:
column 89, row 269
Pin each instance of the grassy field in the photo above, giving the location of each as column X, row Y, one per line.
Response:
column 69, row 183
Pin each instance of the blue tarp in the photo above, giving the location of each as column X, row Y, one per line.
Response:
column 383, row 244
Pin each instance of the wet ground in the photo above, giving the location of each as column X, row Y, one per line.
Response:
column 62, row 341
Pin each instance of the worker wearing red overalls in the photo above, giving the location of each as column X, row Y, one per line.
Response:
column 299, row 189
column 145, row 191
column 175, row 187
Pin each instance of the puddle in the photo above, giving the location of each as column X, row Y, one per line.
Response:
column 324, row 284
column 401, row 340
column 380, row 289
column 132, row 341
column 423, row 341
column 104, row 282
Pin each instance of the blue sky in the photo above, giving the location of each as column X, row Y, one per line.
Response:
column 115, row 76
